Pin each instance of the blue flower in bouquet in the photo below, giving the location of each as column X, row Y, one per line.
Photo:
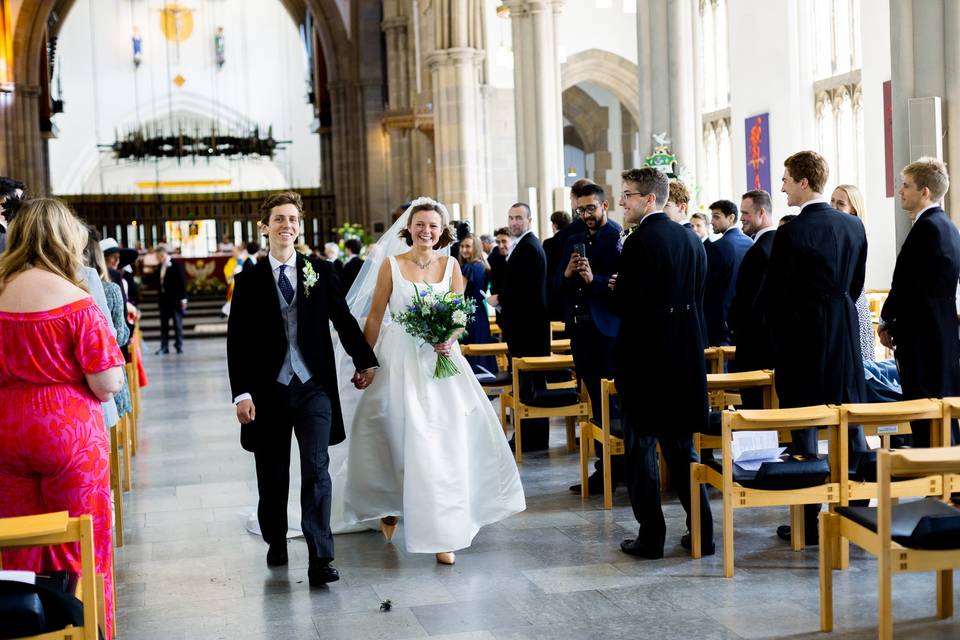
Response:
column 435, row 317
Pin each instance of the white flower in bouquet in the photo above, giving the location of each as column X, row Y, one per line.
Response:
column 459, row 318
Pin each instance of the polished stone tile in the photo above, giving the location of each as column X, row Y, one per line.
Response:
column 397, row 623
column 580, row 578
column 471, row 615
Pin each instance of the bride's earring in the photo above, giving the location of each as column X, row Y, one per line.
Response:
column 388, row 526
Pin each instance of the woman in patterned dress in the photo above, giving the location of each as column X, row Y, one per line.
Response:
column 58, row 362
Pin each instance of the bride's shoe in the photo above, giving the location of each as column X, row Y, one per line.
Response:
column 446, row 557
column 388, row 526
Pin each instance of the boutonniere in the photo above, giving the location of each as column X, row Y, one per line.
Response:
column 309, row 277
column 622, row 238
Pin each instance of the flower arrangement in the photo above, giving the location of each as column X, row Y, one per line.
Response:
column 434, row 318
column 350, row 230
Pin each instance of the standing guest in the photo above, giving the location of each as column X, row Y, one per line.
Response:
column 488, row 243
column 58, row 362
column 553, row 250
column 816, row 273
column 787, row 218
column 658, row 293
column 460, row 229
column 476, row 274
column 116, row 259
column 351, row 269
column 252, row 252
column 847, row 198
column 919, row 317
column 747, row 323
column 723, row 263
column 173, row 300
column 331, row 253
column 526, row 323
column 700, row 225
column 591, row 320
column 498, row 262
column 677, row 203
column 11, row 197
column 294, row 387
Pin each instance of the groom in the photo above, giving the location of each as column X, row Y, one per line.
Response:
column 284, row 379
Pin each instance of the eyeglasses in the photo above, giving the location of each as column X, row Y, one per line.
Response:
column 590, row 208
column 627, row 194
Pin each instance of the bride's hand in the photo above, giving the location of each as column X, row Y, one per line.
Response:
column 445, row 348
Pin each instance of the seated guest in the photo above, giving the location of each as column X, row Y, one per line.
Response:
column 919, row 317
column 58, row 362
column 847, row 198
column 723, row 263
column 559, row 220
column 351, row 269
column 476, row 274
column 700, row 225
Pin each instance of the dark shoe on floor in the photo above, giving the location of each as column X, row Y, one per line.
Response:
column 686, row 543
column 594, row 484
column 812, row 540
column 321, row 573
column 528, row 448
column 277, row 555
column 640, row 550
column 161, row 351
column 179, row 349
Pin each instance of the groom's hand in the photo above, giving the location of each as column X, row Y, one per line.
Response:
column 246, row 412
column 362, row 379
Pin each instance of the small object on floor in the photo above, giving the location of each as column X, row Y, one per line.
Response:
column 636, row 548
column 321, row 574
column 446, row 557
column 812, row 540
column 277, row 555
column 388, row 527
column 686, row 543
column 386, row 605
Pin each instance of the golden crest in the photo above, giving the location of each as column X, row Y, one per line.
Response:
column 176, row 22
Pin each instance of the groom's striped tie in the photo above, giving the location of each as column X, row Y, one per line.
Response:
column 285, row 287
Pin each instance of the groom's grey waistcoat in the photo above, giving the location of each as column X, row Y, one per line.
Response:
column 293, row 363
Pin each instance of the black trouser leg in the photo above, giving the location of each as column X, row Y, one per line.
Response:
column 178, row 328
column 165, row 317
column 643, row 485
column 273, row 466
column 679, row 454
column 311, row 413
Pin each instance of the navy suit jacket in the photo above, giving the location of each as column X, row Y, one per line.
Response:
column 723, row 263
column 604, row 257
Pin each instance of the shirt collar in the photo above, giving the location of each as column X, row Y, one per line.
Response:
column 292, row 262
column 763, row 231
column 816, row 200
column 923, row 211
column 652, row 213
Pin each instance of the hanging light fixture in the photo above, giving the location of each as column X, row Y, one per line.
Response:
column 572, row 172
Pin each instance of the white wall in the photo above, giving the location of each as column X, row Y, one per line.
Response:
column 590, row 24
column 262, row 82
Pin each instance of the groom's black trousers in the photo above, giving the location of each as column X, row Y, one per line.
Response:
column 304, row 409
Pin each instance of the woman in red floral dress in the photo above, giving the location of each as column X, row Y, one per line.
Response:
column 58, row 362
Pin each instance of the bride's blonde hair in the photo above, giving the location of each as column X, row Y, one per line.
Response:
column 46, row 235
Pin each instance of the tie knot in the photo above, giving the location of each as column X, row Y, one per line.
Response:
column 282, row 267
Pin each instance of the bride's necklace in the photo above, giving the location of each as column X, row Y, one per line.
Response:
column 422, row 265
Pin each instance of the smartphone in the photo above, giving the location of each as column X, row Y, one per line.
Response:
column 580, row 249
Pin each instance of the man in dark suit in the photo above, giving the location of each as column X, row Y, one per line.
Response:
column 660, row 370
column 746, row 319
column 525, row 321
column 281, row 308
column 553, row 249
column 723, row 263
column 173, row 299
column 815, row 275
column 498, row 260
column 591, row 320
column 351, row 269
column 919, row 317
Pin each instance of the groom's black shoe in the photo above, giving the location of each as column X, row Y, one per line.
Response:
column 277, row 554
column 686, row 543
column 635, row 547
column 321, row 572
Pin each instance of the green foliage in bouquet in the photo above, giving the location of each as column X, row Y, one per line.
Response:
column 434, row 318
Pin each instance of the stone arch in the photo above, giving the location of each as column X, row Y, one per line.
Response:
column 591, row 122
column 608, row 70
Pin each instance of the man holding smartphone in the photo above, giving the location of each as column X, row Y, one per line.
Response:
column 590, row 258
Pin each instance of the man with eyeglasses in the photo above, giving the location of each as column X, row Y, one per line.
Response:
column 589, row 259
column 660, row 371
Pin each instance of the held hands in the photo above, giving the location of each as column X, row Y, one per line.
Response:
column 612, row 282
column 246, row 412
column 885, row 338
column 581, row 265
column 362, row 379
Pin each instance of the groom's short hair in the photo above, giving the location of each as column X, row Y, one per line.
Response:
column 278, row 199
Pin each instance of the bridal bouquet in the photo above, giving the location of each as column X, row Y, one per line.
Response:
column 434, row 317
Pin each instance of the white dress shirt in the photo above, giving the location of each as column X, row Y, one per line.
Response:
column 813, row 201
column 513, row 244
column 923, row 211
column 763, row 231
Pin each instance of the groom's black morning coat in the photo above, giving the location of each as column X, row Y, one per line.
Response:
column 257, row 340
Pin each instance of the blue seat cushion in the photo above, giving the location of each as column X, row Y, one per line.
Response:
column 780, row 476
column 558, row 375
column 550, row 398
column 921, row 524
column 616, row 426
column 502, row 379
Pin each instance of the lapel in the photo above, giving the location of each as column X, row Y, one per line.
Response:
column 265, row 277
column 301, row 298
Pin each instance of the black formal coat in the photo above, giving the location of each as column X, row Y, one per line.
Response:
column 746, row 318
column 523, row 297
column 173, row 289
column 723, row 264
column 350, row 272
column 604, row 258
column 257, row 339
column 552, row 249
column 921, row 308
column 659, row 365
column 498, row 266
column 815, row 276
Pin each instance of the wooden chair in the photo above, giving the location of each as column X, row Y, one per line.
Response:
column 717, row 357
column 890, row 532
column 560, row 346
column 951, row 481
column 124, row 430
column 723, row 391
column 567, row 403
column 115, row 485
column 556, row 327
column 738, row 496
column 610, row 445
column 502, row 379
column 58, row 528
column 132, row 377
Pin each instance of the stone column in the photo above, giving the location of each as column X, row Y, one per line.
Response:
column 539, row 107
column 400, row 177
column 22, row 144
column 349, row 157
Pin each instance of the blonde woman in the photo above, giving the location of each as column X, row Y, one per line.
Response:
column 58, row 362
column 847, row 198
column 476, row 275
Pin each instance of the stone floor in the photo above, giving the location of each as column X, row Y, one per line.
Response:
column 191, row 570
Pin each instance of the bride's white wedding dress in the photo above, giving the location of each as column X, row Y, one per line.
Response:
column 429, row 450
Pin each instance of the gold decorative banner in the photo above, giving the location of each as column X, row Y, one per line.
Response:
column 176, row 22
column 148, row 184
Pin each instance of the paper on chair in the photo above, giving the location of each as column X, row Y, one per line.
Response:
column 28, row 577
column 751, row 449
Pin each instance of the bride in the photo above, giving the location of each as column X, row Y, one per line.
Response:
column 429, row 450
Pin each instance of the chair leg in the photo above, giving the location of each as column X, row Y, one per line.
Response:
column 826, row 571
column 101, row 606
column 124, row 426
column 884, row 595
column 115, row 487
column 571, row 435
column 727, row 536
column 607, row 480
column 586, row 429
column 503, row 415
column 945, row 593
column 695, row 550
column 797, row 527
column 518, row 452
